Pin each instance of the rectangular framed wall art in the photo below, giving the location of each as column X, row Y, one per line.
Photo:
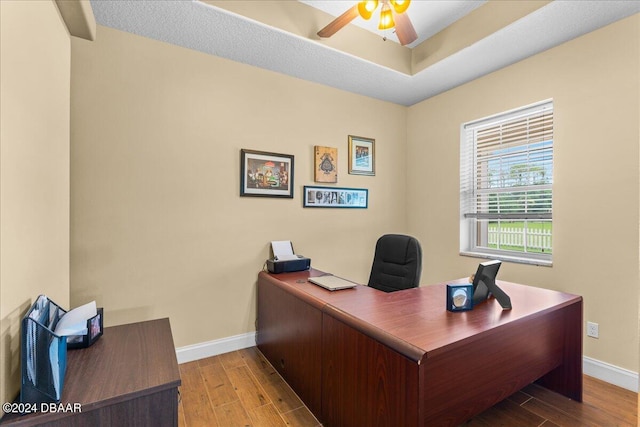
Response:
column 334, row 197
column 362, row 156
column 264, row 174
column 325, row 164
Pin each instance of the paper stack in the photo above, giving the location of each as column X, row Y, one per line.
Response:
column 74, row 322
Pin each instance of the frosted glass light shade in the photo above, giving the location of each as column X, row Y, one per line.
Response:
column 386, row 18
column 400, row 5
column 366, row 8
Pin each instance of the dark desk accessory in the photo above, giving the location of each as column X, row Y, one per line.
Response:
column 460, row 297
column 94, row 331
column 484, row 285
column 43, row 353
column 284, row 260
column 44, row 350
column 288, row 265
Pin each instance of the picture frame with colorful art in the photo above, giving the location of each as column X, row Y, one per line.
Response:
column 266, row 174
column 362, row 155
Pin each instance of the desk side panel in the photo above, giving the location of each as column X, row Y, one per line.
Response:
column 567, row 378
column 459, row 384
column 365, row 383
column 290, row 337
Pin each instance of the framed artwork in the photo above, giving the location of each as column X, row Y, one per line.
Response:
column 362, row 156
column 334, row 197
column 325, row 164
column 264, row 174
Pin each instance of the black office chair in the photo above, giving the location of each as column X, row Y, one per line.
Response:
column 397, row 263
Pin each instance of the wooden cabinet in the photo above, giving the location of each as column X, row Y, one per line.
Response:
column 129, row 377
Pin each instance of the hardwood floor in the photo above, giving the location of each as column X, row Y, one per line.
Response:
column 241, row 388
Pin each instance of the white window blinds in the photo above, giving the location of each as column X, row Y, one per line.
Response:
column 507, row 165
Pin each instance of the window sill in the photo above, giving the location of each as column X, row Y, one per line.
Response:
column 509, row 258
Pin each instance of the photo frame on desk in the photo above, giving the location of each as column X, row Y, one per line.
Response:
column 265, row 174
column 484, row 284
column 335, row 197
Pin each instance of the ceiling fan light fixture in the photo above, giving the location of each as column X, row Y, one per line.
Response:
column 366, row 8
column 400, row 6
column 386, row 18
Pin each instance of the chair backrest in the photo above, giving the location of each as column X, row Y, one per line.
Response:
column 397, row 263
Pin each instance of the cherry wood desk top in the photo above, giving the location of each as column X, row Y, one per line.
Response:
column 361, row 356
column 415, row 321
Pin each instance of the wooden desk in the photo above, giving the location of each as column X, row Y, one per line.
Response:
column 364, row 357
column 129, row 377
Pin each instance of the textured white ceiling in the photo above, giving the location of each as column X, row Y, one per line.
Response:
column 195, row 25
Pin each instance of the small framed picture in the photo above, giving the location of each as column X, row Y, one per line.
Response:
column 334, row 197
column 460, row 297
column 362, row 156
column 325, row 164
column 264, row 174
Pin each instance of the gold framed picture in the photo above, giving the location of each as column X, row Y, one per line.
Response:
column 362, row 156
column 325, row 164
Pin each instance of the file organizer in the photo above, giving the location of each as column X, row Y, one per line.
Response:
column 94, row 331
column 44, row 354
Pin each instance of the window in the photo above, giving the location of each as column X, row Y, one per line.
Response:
column 506, row 185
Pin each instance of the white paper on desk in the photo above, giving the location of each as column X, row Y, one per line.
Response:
column 283, row 250
column 74, row 322
column 55, row 366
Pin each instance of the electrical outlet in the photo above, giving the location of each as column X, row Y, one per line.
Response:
column 592, row 329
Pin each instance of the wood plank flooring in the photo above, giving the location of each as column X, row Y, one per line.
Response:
column 242, row 389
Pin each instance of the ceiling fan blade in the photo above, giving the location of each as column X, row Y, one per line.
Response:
column 404, row 29
column 337, row 24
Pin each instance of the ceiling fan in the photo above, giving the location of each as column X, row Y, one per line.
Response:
column 392, row 14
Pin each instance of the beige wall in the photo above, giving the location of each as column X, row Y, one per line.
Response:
column 157, row 225
column 158, row 228
column 594, row 83
column 34, row 170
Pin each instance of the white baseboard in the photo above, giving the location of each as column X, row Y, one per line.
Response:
column 592, row 367
column 193, row 352
column 610, row 373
